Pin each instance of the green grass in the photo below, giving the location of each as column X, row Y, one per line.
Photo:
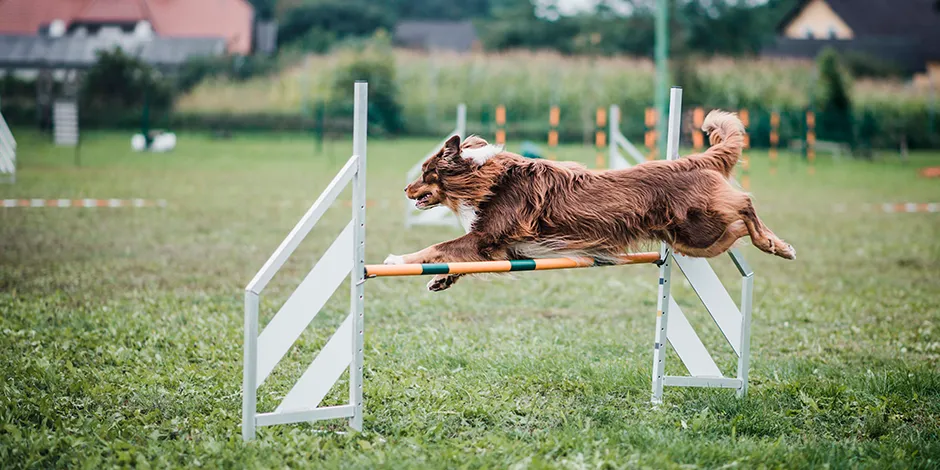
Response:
column 122, row 328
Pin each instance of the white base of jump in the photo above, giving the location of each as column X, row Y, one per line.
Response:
column 344, row 350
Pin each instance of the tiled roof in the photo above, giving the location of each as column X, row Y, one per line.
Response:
column 228, row 19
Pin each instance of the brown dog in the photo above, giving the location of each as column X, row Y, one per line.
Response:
column 513, row 207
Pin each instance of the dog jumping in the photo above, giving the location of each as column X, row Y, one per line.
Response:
column 516, row 208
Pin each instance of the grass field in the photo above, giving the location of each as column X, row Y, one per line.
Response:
column 122, row 328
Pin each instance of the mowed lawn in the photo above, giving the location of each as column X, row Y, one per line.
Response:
column 122, row 328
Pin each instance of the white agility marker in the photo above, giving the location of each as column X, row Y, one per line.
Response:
column 673, row 327
column 7, row 153
column 436, row 215
column 344, row 349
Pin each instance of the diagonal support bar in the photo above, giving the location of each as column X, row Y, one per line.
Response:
column 323, row 372
column 303, row 227
column 304, row 303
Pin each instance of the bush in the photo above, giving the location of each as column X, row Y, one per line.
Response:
column 119, row 81
column 833, row 99
column 344, row 18
column 866, row 66
column 374, row 63
column 235, row 68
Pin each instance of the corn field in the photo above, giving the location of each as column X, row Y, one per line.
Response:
column 430, row 86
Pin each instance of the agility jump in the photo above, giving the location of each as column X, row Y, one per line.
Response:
column 346, row 257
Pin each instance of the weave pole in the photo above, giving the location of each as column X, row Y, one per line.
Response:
column 600, row 137
column 650, row 137
column 811, row 141
column 480, row 267
column 501, row 125
column 554, row 117
column 774, row 140
column 698, row 137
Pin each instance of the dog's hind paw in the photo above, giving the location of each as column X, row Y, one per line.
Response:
column 788, row 252
column 394, row 259
column 441, row 282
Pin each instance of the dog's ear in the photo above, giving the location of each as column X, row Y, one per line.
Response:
column 451, row 147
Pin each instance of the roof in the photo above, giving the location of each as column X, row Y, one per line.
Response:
column 458, row 36
column 918, row 19
column 81, row 52
column 228, row 19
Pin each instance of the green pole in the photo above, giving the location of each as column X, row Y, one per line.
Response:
column 662, row 71
column 319, row 119
column 145, row 117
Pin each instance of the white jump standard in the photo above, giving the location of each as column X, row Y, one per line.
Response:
column 345, row 256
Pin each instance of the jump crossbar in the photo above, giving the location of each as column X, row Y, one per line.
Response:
column 479, row 267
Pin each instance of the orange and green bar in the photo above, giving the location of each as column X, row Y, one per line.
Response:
column 480, row 267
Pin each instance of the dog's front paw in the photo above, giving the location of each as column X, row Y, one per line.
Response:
column 441, row 282
column 788, row 252
column 394, row 259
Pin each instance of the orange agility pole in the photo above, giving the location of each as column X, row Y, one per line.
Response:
column 479, row 267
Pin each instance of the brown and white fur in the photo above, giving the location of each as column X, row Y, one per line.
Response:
column 513, row 207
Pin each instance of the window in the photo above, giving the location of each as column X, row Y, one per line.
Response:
column 833, row 34
column 808, row 33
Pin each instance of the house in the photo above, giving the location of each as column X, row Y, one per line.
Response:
column 232, row 21
column 903, row 32
column 455, row 36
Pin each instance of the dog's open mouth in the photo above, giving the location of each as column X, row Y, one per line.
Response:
column 423, row 201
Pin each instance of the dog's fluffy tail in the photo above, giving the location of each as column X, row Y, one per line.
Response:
column 726, row 136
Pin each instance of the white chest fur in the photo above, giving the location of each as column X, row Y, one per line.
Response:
column 467, row 215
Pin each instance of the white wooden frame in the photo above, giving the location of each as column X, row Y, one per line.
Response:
column 344, row 349
column 436, row 215
column 7, row 152
column 619, row 142
column 673, row 327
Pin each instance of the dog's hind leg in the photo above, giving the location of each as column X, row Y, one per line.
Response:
column 735, row 231
column 762, row 237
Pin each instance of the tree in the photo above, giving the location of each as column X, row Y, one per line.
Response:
column 334, row 18
column 833, row 98
column 118, row 81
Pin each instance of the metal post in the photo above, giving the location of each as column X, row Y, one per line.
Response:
column 744, row 361
column 675, row 120
column 665, row 271
column 462, row 120
column 249, row 380
column 357, row 275
column 662, row 323
column 662, row 66
column 614, row 129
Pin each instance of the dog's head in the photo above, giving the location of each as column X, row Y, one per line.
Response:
column 447, row 172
